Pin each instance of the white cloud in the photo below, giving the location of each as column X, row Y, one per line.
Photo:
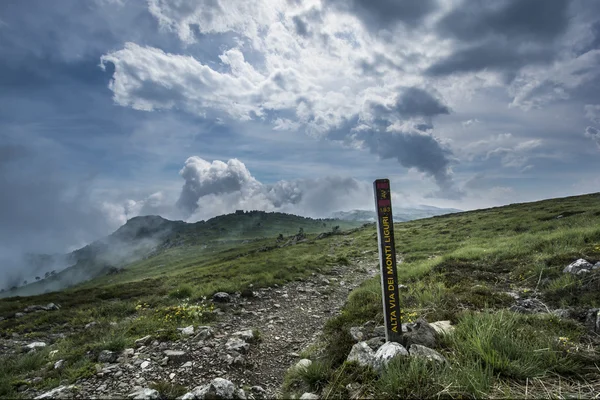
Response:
column 592, row 112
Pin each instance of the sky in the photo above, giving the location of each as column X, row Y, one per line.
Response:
column 193, row 108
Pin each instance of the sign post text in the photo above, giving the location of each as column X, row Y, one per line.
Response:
column 387, row 260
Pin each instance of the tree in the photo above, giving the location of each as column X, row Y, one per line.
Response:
column 24, row 282
column 336, row 229
column 37, row 278
column 47, row 274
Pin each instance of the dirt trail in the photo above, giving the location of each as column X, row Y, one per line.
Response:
column 289, row 318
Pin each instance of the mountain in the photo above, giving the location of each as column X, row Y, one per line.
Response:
column 146, row 236
column 400, row 213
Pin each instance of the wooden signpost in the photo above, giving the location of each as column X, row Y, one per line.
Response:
column 387, row 261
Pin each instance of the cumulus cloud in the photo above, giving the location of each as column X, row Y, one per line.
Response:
column 592, row 112
column 214, row 188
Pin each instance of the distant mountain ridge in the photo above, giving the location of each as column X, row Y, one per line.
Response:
column 400, row 213
column 144, row 236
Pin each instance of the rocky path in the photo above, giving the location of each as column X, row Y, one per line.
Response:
column 287, row 319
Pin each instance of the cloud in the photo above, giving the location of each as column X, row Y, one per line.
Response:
column 203, row 178
column 378, row 14
column 217, row 187
column 500, row 35
column 593, row 133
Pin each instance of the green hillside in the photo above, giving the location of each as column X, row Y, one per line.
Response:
column 145, row 237
column 465, row 267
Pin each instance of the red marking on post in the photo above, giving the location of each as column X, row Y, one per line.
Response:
column 383, row 203
column 383, row 185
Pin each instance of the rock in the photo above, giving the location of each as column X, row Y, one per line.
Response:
column 37, row 379
column 177, row 356
column 442, row 327
column 187, row 331
column 51, row 307
column 145, row 341
column 145, row 364
column 246, row 335
column 303, row 364
column 107, row 356
column 420, row 332
column 221, row 297
column 562, row 313
column 55, row 393
column 577, row 266
column 90, row 325
column 145, row 394
column 33, row 308
column 388, row 351
column 235, row 344
column 258, row 390
column 362, row 354
column 379, row 331
column 376, row 342
column 59, row 364
column 204, row 332
column 416, row 350
column 240, row 394
column 187, row 365
column 592, row 320
column 53, row 353
column 19, row 315
column 357, row 333
column 218, row 388
column 309, row 396
column 128, row 352
column 528, row 306
column 596, row 266
column 35, row 345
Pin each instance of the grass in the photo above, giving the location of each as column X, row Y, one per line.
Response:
column 459, row 267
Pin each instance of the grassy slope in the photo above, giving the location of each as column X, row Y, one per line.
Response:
column 458, row 267
column 454, row 265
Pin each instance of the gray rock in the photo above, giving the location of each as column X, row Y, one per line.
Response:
column 55, row 393
column 528, row 306
column 303, row 364
column 107, row 356
column 19, row 315
column 204, row 333
column 188, row 364
column 37, row 379
column 379, row 331
column 187, row 331
column 562, row 313
column 145, row 394
column 309, row 396
column 577, row 266
column 420, row 332
column 33, row 308
column 177, row 356
column 442, row 327
column 376, row 342
column 235, row 344
column 387, row 352
column 145, row 364
column 592, row 320
column 416, row 350
column 90, row 325
column 51, row 307
column 596, row 266
column 220, row 388
column 221, row 297
column 258, row 390
column 128, row 352
column 246, row 335
column 240, row 394
column 35, row 345
column 59, row 364
column 362, row 354
column 145, row 341
column 357, row 333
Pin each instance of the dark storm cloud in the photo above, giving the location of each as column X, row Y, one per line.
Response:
column 533, row 20
column 502, row 36
column 378, row 14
